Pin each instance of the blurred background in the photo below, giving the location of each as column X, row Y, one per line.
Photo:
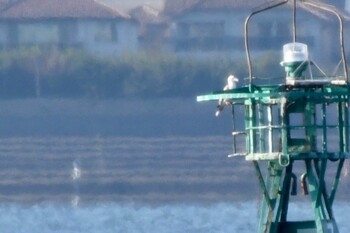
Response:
column 98, row 109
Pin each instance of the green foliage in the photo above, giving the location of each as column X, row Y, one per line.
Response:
column 72, row 73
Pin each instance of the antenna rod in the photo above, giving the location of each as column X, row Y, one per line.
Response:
column 327, row 8
column 295, row 21
column 254, row 12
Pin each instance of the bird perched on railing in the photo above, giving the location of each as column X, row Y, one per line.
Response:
column 231, row 84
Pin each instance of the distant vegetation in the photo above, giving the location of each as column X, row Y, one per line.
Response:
column 27, row 73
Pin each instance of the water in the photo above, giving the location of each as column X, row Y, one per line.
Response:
column 168, row 169
column 114, row 217
column 132, row 184
column 129, row 117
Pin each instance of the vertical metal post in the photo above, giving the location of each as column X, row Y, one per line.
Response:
column 324, row 129
column 262, row 137
column 336, row 181
column 252, row 124
column 345, row 113
column 309, row 122
column 346, row 123
column 234, row 129
column 341, row 127
column 270, row 134
column 284, row 157
column 285, row 194
column 266, row 204
column 271, row 190
column 313, row 188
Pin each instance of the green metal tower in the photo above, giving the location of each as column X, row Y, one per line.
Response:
column 289, row 123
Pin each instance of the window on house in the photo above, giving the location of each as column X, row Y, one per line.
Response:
column 209, row 29
column 68, row 33
column 106, row 32
column 38, row 33
column 201, row 29
column 114, row 32
column 270, row 34
column 12, row 34
column 201, row 36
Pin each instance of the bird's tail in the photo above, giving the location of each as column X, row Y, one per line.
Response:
column 219, row 108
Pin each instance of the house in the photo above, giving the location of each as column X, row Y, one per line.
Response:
column 206, row 28
column 85, row 24
column 154, row 28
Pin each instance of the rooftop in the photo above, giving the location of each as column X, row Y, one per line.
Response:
column 172, row 7
column 147, row 14
column 44, row 9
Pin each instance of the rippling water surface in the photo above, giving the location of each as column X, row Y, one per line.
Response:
column 169, row 169
column 130, row 184
column 112, row 217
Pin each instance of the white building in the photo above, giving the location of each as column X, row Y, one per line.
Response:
column 207, row 27
column 84, row 24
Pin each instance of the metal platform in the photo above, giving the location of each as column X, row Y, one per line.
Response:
column 305, row 120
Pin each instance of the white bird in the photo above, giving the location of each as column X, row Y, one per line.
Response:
column 231, row 84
